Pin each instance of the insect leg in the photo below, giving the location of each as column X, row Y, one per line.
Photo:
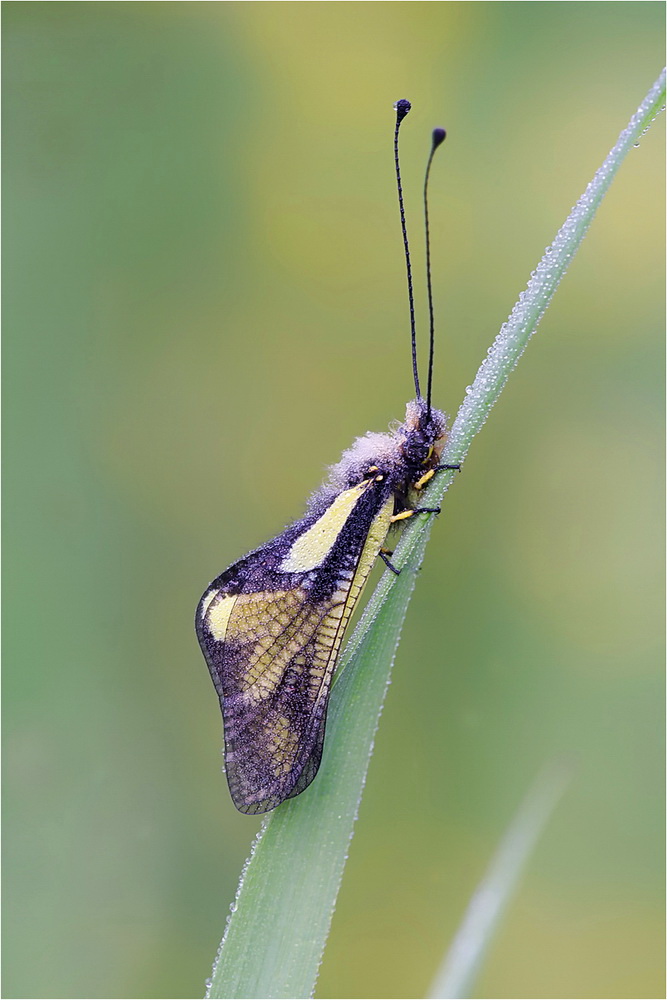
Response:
column 405, row 514
column 421, row 483
column 385, row 559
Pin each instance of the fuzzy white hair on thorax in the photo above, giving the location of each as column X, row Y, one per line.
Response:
column 373, row 448
column 388, row 450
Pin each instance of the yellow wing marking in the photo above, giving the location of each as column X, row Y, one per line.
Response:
column 216, row 611
column 278, row 624
column 312, row 547
column 341, row 612
column 206, row 601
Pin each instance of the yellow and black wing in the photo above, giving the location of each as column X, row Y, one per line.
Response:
column 271, row 628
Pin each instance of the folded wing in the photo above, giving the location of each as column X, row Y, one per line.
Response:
column 272, row 654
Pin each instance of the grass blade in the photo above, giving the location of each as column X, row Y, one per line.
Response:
column 280, row 920
column 485, row 911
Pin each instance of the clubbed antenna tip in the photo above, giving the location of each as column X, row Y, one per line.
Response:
column 401, row 108
column 439, row 136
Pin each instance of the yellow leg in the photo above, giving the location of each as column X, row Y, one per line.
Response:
column 402, row 516
column 421, row 483
column 405, row 514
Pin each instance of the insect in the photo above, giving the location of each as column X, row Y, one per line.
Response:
column 271, row 625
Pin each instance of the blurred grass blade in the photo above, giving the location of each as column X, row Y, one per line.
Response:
column 280, row 919
column 464, row 958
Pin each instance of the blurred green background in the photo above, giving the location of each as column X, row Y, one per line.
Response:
column 204, row 305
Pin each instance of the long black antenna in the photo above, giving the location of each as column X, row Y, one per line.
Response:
column 437, row 139
column 402, row 107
